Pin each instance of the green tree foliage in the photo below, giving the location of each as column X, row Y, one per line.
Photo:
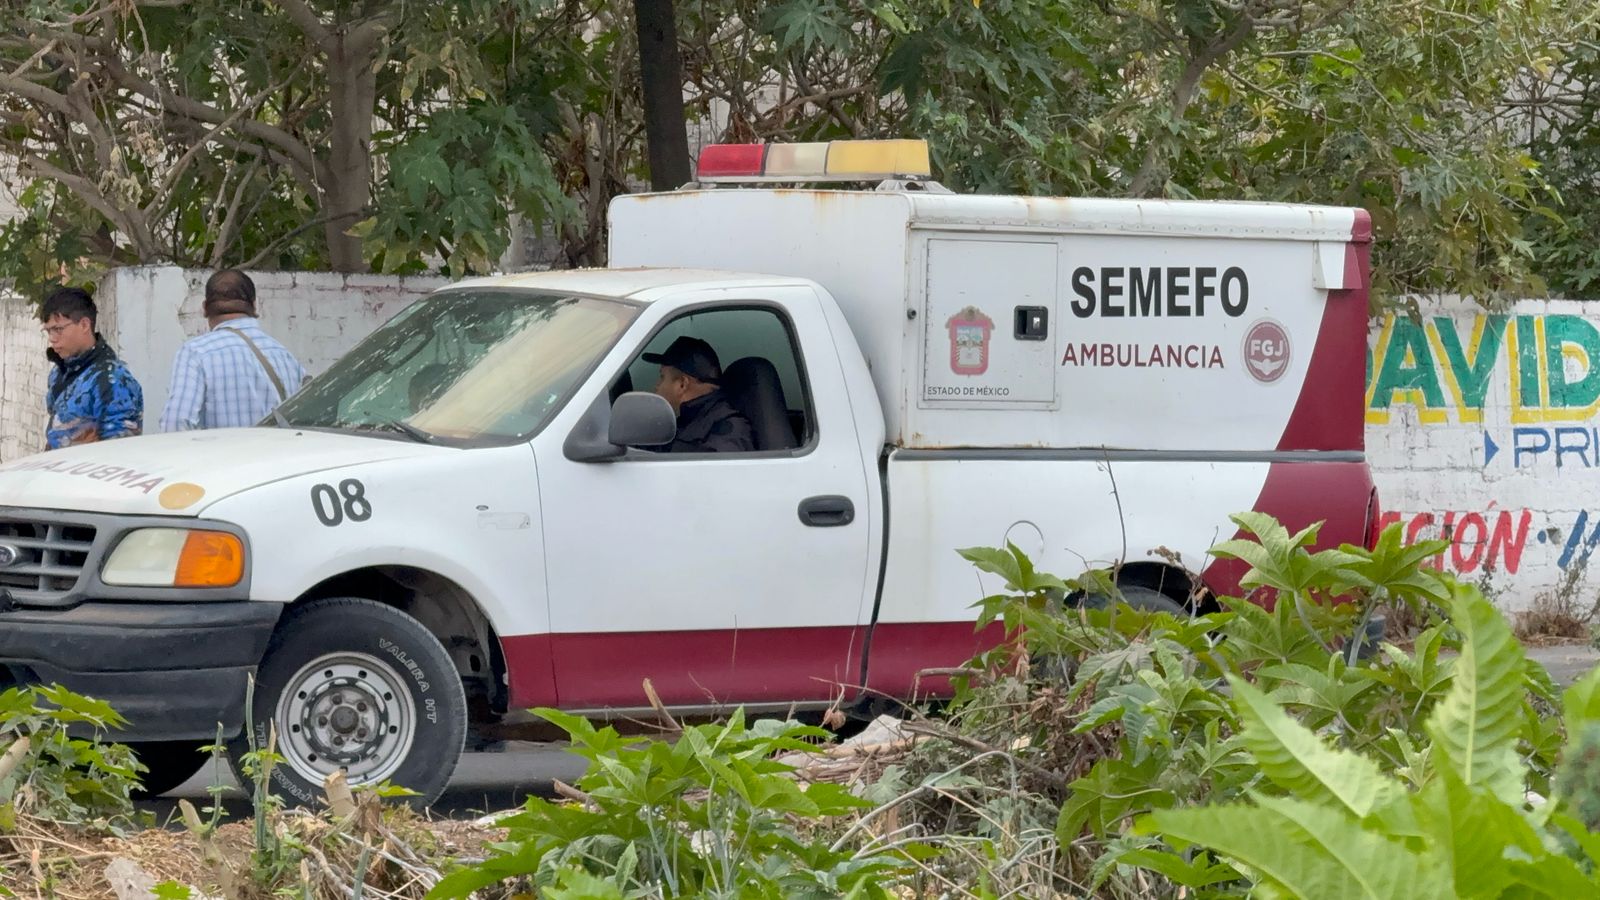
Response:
column 1560, row 119
column 306, row 133
column 1396, row 107
column 343, row 134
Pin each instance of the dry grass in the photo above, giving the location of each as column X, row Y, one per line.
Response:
column 1552, row 620
column 391, row 851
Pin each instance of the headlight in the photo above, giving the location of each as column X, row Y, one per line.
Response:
column 175, row 557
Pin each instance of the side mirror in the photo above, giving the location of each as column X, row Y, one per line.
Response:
column 605, row 432
column 641, row 419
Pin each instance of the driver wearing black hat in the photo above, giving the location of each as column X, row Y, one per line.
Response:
column 707, row 422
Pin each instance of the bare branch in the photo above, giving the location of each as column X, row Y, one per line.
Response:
column 832, row 106
column 178, row 168
column 275, row 157
column 230, row 220
column 293, row 147
column 39, row 54
column 316, row 222
column 363, row 40
column 1183, row 93
column 136, row 229
column 307, row 20
column 38, row 93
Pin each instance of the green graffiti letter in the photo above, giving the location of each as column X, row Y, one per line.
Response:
column 1528, row 364
column 1472, row 375
column 1559, row 331
column 1408, row 365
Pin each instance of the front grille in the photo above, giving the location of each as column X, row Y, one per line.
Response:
column 51, row 557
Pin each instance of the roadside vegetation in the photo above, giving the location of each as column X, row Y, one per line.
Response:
column 1117, row 753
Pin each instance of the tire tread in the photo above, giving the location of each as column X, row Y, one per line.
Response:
column 383, row 613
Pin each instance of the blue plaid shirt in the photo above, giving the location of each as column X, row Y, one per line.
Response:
column 217, row 381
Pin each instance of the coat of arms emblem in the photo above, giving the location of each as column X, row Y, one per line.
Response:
column 969, row 341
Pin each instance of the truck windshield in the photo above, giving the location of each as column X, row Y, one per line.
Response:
column 475, row 366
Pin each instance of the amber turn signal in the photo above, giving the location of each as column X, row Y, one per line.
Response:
column 210, row 559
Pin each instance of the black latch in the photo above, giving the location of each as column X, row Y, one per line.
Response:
column 1032, row 323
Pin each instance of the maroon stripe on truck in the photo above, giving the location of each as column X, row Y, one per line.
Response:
column 747, row 665
column 597, row 670
column 1330, row 412
column 1299, row 494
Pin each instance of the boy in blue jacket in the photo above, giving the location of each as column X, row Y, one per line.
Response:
column 92, row 395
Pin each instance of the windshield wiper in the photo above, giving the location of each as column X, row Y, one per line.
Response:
column 409, row 430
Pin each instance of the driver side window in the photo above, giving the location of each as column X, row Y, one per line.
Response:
column 757, row 372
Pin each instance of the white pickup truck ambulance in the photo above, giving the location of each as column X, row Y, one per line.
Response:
column 471, row 514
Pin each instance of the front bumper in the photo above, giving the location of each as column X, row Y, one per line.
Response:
column 173, row 670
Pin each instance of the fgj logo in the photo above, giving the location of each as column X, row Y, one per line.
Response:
column 969, row 341
column 1266, row 351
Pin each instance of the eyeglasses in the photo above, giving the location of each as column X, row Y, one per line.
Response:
column 57, row 330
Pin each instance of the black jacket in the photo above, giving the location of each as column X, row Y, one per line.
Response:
column 710, row 424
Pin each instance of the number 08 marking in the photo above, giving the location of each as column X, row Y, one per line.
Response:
column 348, row 502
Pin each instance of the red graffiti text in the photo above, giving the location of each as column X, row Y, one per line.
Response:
column 1488, row 541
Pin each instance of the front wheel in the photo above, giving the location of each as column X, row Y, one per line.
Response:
column 1137, row 596
column 351, row 684
column 1063, row 668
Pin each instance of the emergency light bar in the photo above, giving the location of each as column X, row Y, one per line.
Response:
column 821, row 161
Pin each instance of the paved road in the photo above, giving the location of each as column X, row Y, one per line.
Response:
column 483, row 782
column 490, row 782
column 1566, row 662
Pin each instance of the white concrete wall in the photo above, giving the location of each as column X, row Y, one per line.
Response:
column 23, row 371
column 1481, row 430
column 317, row 315
column 146, row 313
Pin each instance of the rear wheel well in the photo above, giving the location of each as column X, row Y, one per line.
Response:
column 448, row 612
column 1186, row 590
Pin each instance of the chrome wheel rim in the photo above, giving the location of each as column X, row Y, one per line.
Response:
column 347, row 711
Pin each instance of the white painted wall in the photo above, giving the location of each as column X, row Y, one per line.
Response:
column 147, row 312
column 317, row 315
column 23, row 371
column 1481, row 430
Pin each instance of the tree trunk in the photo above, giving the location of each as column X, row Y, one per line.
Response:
column 661, row 76
column 347, row 179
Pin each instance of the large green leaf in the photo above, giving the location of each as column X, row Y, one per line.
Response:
column 1309, row 850
column 1300, row 763
column 1581, row 702
column 1399, row 567
column 1475, row 726
column 1474, row 830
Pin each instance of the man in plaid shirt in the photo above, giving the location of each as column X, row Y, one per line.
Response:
column 235, row 375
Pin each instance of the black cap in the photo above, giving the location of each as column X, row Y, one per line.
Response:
column 692, row 357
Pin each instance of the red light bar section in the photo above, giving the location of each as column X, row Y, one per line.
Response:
column 732, row 159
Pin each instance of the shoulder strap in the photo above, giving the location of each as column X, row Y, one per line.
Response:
column 272, row 374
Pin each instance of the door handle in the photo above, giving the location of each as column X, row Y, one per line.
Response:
column 827, row 511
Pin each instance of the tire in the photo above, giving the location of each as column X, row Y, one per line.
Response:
column 1061, row 669
column 171, row 763
column 1138, row 597
column 353, row 684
